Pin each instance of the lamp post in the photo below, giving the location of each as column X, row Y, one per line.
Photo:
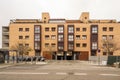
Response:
column 13, row 58
column 17, row 56
column 98, row 56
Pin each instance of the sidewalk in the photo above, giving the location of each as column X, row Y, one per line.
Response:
column 52, row 62
column 5, row 65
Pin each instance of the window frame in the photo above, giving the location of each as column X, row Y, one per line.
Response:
column 53, row 29
column 26, row 45
column 104, row 37
column 27, row 29
column 94, row 45
column 20, row 37
column 70, row 37
column 84, row 45
column 77, row 44
column 77, row 37
column 53, row 44
column 60, row 29
column 46, row 44
column 60, row 37
column 70, row 29
column 47, row 37
column 77, row 29
column 84, row 29
column 84, row 37
column 104, row 29
column 53, row 37
column 27, row 37
column 111, row 28
column 47, row 29
column 94, row 29
column 20, row 29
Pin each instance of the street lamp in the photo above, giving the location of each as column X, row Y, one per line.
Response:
column 98, row 56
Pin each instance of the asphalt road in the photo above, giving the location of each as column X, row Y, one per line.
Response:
column 59, row 70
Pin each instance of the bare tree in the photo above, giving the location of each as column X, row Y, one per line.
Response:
column 109, row 46
column 50, row 50
column 21, row 48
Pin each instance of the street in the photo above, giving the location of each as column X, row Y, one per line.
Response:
column 60, row 70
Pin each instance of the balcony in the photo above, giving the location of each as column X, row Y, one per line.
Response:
column 5, row 41
column 5, row 33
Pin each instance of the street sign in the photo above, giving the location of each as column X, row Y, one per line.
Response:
column 99, row 51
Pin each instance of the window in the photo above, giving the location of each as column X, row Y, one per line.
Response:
column 53, row 36
column 44, row 17
column 53, row 44
column 60, row 47
column 111, row 53
column 104, row 28
column 20, row 45
column 46, row 29
column 84, row 29
column 84, row 45
column 26, row 37
column 37, row 45
column 20, row 37
column 70, row 30
column 93, row 53
column 60, row 29
column 37, row 29
column 104, row 37
column 46, row 44
column 27, row 45
column 77, row 37
column 46, row 36
column 110, row 45
column 26, row 29
column 104, row 53
column 111, row 36
column 94, row 37
column 84, row 37
column 37, row 37
column 53, row 28
column 77, row 29
column 94, row 29
column 70, row 37
column 94, row 45
column 70, row 46
column 60, row 37
column 111, row 29
column 104, row 45
column 20, row 29
column 77, row 44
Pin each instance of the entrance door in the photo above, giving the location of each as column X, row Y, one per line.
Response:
column 47, row 55
column 83, row 55
column 2, row 58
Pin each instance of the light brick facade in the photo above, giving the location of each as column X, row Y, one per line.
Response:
column 61, row 38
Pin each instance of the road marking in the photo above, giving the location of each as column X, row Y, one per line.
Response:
column 109, row 74
column 61, row 73
column 22, row 73
column 83, row 74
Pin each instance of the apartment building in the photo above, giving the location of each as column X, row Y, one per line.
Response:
column 62, row 39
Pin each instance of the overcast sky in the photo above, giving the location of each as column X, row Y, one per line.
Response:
column 69, row 9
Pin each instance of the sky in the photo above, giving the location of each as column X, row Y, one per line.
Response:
column 68, row 9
